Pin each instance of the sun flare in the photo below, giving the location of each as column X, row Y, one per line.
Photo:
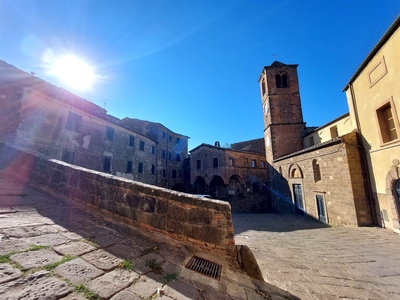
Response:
column 74, row 72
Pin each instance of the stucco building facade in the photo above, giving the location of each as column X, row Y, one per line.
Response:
column 373, row 95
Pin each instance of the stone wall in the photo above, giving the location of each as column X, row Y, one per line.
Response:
column 205, row 224
column 340, row 182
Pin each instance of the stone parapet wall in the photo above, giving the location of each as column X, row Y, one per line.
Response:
column 205, row 224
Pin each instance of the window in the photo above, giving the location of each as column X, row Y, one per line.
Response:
column 316, row 170
column 178, row 140
column 163, row 154
column 173, row 173
column 215, row 162
column 246, row 161
column 140, row 168
column 334, row 132
column 170, row 138
column 141, row 145
column 263, row 86
column 153, row 149
column 169, row 155
column 178, row 157
column 129, row 167
column 109, row 133
column 107, row 164
column 163, row 173
column 282, row 81
column 387, row 123
column 131, row 140
column 164, row 134
column 263, row 164
column 73, row 122
column 153, row 169
column 253, row 163
column 231, row 162
column 311, row 141
column 68, row 156
column 198, row 164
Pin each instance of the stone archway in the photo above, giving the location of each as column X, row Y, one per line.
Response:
column 217, row 187
column 199, row 186
column 393, row 192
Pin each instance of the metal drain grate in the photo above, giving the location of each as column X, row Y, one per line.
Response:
column 204, row 267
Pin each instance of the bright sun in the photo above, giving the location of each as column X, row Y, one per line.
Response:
column 74, row 72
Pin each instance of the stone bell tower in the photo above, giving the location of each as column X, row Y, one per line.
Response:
column 283, row 117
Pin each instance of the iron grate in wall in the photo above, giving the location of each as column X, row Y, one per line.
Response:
column 204, row 267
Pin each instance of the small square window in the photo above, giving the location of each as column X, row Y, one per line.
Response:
column 311, row 141
column 131, row 140
column 215, row 162
column 173, row 173
column 164, row 134
column 170, row 138
column 334, row 132
column 73, row 122
column 129, row 167
column 387, row 123
column 198, row 164
column 263, row 164
column 109, row 133
column 178, row 140
column 163, row 173
column 253, row 163
column 68, row 156
column 140, row 168
column 231, row 162
column 107, row 164
column 141, row 146
column 163, row 154
column 153, row 169
column 178, row 157
column 169, row 155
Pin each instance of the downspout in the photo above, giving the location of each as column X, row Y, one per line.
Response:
column 363, row 157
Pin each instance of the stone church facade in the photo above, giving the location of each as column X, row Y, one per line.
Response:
column 323, row 179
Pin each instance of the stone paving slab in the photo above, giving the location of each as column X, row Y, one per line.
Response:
column 47, row 240
column 35, row 286
column 34, row 259
column 8, row 272
column 102, row 259
column 77, row 271
column 7, row 246
column 75, row 248
column 113, row 282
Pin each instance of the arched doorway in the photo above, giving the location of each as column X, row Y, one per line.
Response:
column 217, row 187
column 199, row 186
column 180, row 187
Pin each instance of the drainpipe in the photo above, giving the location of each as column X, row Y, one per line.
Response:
column 364, row 162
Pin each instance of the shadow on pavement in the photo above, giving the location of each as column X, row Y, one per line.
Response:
column 273, row 222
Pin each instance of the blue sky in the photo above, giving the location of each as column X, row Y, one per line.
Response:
column 193, row 65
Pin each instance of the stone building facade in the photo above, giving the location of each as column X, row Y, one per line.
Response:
column 313, row 171
column 171, row 152
column 237, row 176
column 45, row 119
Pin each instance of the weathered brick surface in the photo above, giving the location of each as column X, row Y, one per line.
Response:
column 181, row 216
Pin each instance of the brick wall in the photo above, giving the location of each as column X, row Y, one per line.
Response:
column 205, row 224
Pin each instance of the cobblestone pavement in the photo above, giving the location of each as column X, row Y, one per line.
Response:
column 51, row 249
column 313, row 261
